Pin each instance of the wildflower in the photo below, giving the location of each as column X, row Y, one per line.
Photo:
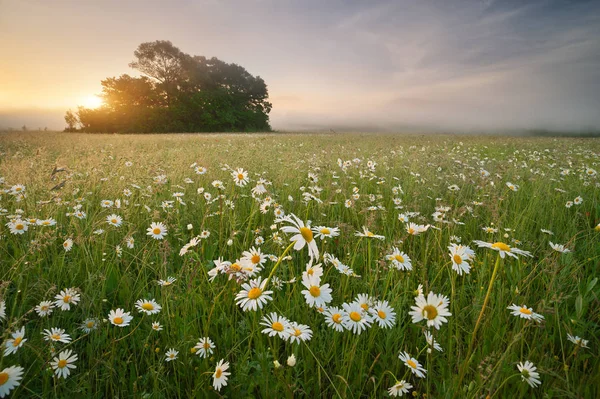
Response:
column 149, row 307
column 399, row 388
column 119, row 317
column 276, row 325
column 63, row 364
column 399, row 259
column 525, row 313
column 10, row 378
column 432, row 342
column 291, row 361
column 253, row 295
column 333, row 318
column 413, row 364
column 106, row 203
column 2, row 310
column 89, row 325
column 512, row 186
column 383, row 314
column 529, row 373
column 220, row 375
column 14, row 343
column 355, row 318
column 416, row 229
column 171, row 355
column 66, row 298
column 368, row 234
column 68, row 244
column 156, row 326
column 17, row 227
column 303, row 235
column 240, row 177
column 503, row 249
column 299, row 332
column 316, row 295
column 460, row 256
column 44, row 309
column 56, row 335
column 559, row 248
column 114, row 220
column 578, row 201
column 204, row 347
column 254, row 257
column 167, row 282
column 158, row 231
column 434, row 309
column 577, row 340
column 323, row 232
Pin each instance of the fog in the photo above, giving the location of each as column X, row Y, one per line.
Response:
column 343, row 65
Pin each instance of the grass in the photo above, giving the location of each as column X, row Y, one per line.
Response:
column 130, row 361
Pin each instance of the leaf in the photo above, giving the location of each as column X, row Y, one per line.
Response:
column 579, row 305
column 591, row 285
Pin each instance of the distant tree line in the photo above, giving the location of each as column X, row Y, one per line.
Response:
column 178, row 93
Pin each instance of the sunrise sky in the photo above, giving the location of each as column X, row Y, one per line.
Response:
column 355, row 65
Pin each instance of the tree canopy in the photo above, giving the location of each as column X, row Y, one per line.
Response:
column 177, row 93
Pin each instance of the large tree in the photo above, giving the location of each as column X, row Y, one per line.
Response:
column 178, row 93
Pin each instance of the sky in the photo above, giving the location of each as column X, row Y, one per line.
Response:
column 451, row 65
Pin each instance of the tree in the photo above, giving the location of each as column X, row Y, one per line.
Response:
column 71, row 120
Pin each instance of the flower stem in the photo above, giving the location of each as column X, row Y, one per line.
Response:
column 279, row 262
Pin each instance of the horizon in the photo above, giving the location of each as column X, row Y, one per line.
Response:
column 482, row 66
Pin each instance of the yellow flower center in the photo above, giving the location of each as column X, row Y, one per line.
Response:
column 381, row 314
column 148, row 306
column 114, row 221
column 365, row 306
column 254, row 293
column 369, row 234
column 337, row 318
column 45, row 223
column 67, row 298
column 411, row 363
column 430, row 312
column 62, row 363
column 501, row 246
column 277, row 326
column 156, row 231
column 19, row 226
column 457, row 259
column 3, row 378
column 206, row 345
column 310, row 271
column 236, row 267
column 307, row 234
column 90, row 324
column 118, row 320
column 315, row 291
column 17, row 341
column 255, row 258
column 355, row 316
column 399, row 258
column 240, row 176
column 525, row 311
column 297, row 332
column 218, row 373
column 411, row 231
column 55, row 337
column 66, row 244
column 325, row 230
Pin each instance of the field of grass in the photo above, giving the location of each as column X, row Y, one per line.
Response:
column 455, row 187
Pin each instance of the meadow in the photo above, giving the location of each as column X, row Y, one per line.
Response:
column 299, row 265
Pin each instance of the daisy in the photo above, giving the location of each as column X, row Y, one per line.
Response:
column 158, row 231
column 44, row 309
column 413, row 364
column 323, row 232
column 167, row 282
column 503, row 249
column 17, row 227
column 432, row 342
column 130, row 242
column 461, row 255
column 434, row 309
column 299, row 332
column 303, row 235
column 14, row 343
column 253, row 295
column 291, row 360
column 171, row 355
column 119, row 317
column 529, row 373
column 355, row 318
column 416, row 229
column 399, row 259
column 313, row 270
column 578, row 201
column 68, row 244
column 106, row 203
column 383, row 314
column 255, row 257
column 220, row 375
column 240, row 177
column 559, row 248
column 364, row 301
column 2, row 310
column 114, row 220
column 66, row 298
column 368, row 234
column 316, row 295
column 577, row 340
column 276, row 325
column 56, row 335
column 399, row 388
column 525, row 313
column 333, row 318
column 63, row 364
column 156, row 326
column 204, row 347
column 149, row 307
column 89, row 325
column 10, row 378
column 512, row 186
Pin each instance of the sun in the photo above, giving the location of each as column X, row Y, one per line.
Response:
column 92, row 101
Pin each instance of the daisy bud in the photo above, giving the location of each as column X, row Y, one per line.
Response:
column 291, row 361
column 189, row 226
column 276, row 364
column 230, row 242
